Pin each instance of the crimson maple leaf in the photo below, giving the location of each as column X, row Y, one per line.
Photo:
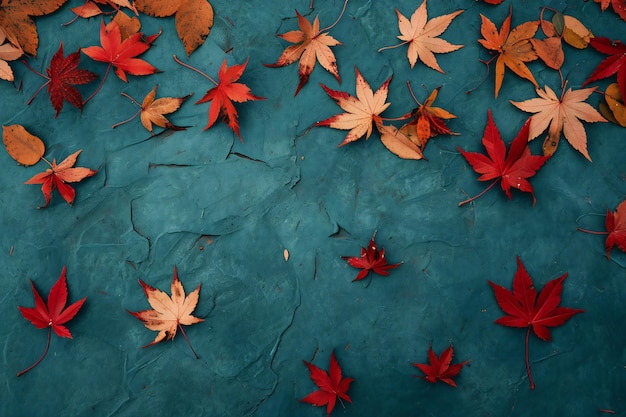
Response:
column 371, row 259
column 525, row 308
column 614, row 64
column 58, row 176
column 224, row 93
column 615, row 224
column 513, row 171
column 53, row 315
column 331, row 386
column 440, row 368
column 63, row 74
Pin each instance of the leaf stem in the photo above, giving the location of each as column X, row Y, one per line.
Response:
column 408, row 83
column 187, row 339
column 345, row 3
column 392, row 46
column 34, row 70
column 46, row 161
column 530, row 377
column 42, row 356
column 131, row 99
column 127, row 120
column 195, row 69
column 593, row 232
column 41, row 75
column 469, row 200
column 106, row 74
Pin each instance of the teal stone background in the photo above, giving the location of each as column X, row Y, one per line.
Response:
column 223, row 212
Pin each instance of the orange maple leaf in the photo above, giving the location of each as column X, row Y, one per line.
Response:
column 422, row 34
column 512, row 46
column 153, row 111
column 562, row 115
column 361, row 110
column 311, row 45
column 15, row 18
column 194, row 18
column 169, row 313
column 58, row 176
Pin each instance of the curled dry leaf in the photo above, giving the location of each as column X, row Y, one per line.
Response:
column 194, row 18
column 614, row 109
column 8, row 52
column 361, row 111
column 26, row 148
column 153, row 111
column 422, row 36
column 398, row 143
column 169, row 313
column 128, row 25
column 311, row 45
column 562, row 114
column 60, row 176
column 512, row 46
column 526, row 309
column 16, row 19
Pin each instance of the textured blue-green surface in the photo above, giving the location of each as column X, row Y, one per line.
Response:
column 224, row 212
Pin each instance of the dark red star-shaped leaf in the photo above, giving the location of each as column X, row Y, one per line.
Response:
column 525, row 308
column 332, row 386
column 440, row 368
column 614, row 64
column 615, row 224
column 53, row 315
column 371, row 259
column 512, row 171
column 62, row 75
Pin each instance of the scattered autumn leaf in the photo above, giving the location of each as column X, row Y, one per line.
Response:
column 121, row 54
column 8, row 52
column 53, row 315
column 614, row 109
column 62, row 75
column 194, row 18
column 153, row 111
column 91, row 8
column 513, row 171
column 615, row 225
column 398, row 143
column 332, row 385
column 512, row 46
column 26, row 148
column 16, row 19
column 59, row 176
column 440, row 368
column 361, row 110
column 371, row 259
column 422, row 34
column 311, row 45
column 169, row 313
column 128, row 25
column 493, row 1
column 561, row 115
column 614, row 64
column 224, row 93
column 619, row 6
column 525, row 308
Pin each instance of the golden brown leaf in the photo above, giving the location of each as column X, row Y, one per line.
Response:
column 422, row 34
column 8, row 52
column 194, row 18
column 15, row 18
column 399, row 143
column 614, row 109
column 26, row 148
column 128, row 25
column 512, row 46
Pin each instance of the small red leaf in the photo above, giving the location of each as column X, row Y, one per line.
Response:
column 331, row 386
column 440, row 368
column 371, row 259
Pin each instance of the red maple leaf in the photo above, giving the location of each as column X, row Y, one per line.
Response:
column 371, row 259
column 525, row 308
column 58, row 176
column 513, row 171
column 224, row 93
column 53, row 315
column 63, row 74
column 121, row 54
column 440, row 368
column 614, row 64
column 615, row 224
column 331, row 386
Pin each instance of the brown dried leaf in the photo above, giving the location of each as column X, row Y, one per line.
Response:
column 26, row 148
